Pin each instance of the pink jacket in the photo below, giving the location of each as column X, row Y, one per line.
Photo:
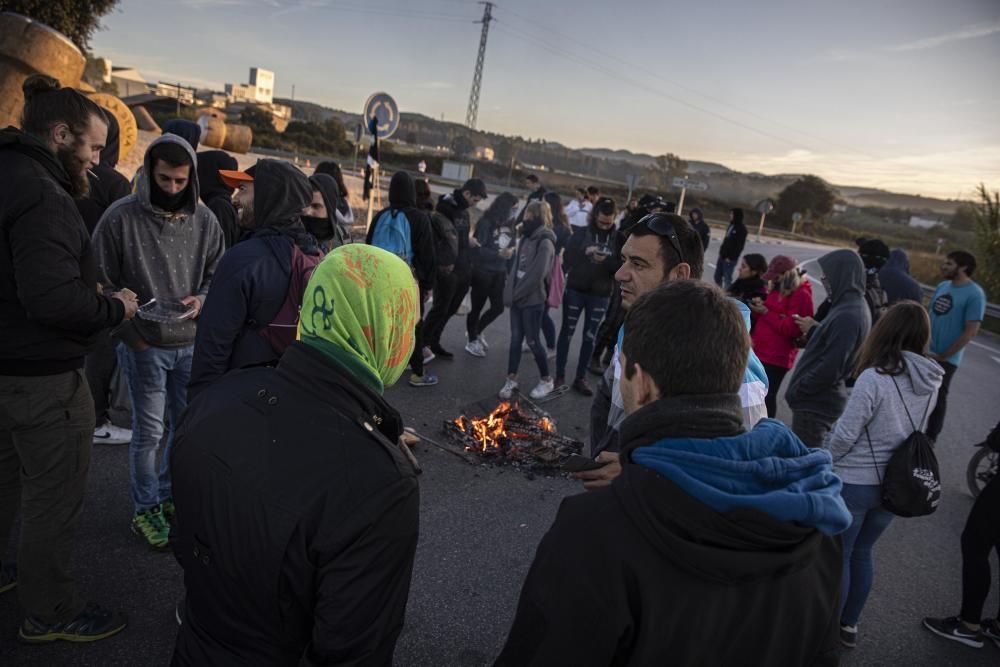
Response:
column 775, row 330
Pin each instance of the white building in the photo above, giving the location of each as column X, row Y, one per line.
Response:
column 923, row 223
column 177, row 91
column 129, row 81
column 260, row 90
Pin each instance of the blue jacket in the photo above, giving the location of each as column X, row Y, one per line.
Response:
column 896, row 279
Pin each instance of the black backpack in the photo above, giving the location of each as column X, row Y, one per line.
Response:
column 912, row 483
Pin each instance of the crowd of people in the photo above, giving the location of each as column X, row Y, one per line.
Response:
column 256, row 341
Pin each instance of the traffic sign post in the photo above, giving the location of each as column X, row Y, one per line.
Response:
column 796, row 219
column 631, row 180
column 381, row 108
column 763, row 208
column 684, row 184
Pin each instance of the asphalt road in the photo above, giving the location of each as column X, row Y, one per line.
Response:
column 480, row 527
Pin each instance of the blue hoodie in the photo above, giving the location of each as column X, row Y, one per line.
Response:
column 767, row 469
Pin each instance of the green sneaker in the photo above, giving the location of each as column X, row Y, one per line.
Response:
column 8, row 577
column 92, row 624
column 152, row 527
column 168, row 509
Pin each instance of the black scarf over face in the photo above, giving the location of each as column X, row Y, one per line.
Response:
column 161, row 199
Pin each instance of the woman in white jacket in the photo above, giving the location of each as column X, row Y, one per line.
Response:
column 896, row 388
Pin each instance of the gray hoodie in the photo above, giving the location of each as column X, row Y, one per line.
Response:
column 817, row 385
column 158, row 254
column 528, row 281
column 876, row 405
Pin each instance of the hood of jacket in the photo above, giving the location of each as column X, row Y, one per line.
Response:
column 326, row 228
column 185, row 129
column 898, row 261
column 112, row 146
column 402, row 191
column 209, row 164
column 845, row 273
column 737, row 216
column 541, row 233
column 16, row 140
column 452, row 204
column 701, row 216
column 280, row 192
column 144, row 184
column 925, row 374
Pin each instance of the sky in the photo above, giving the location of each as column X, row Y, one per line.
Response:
column 895, row 94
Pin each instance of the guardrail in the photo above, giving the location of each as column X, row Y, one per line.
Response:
column 992, row 309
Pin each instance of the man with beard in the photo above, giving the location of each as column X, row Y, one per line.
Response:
column 51, row 312
column 252, row 281
column 162, row 244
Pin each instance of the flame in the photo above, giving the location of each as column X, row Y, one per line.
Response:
column 490, row 432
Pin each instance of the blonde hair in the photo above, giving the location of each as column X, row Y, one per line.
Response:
column 790, row 281
column 539, row 209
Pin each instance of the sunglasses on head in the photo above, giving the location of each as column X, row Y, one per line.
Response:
column 661, row 225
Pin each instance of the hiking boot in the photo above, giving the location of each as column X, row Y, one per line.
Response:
column 509, row 387
column 425, row 380
column 441, row 352
column 90, row 625
column 8, row 577
column 580, row 385
column 990, row 627
column 109, row 434
column 475, row 348
column 542, row 389
column 428, row 355
column 849, row 635
column 152, row 527
column 954, row 629
column 168, row 510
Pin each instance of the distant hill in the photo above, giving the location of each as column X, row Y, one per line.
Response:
column 646, row 160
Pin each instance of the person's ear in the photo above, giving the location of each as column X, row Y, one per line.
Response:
column 646, row 390
column 61, row 135
column 680, row 272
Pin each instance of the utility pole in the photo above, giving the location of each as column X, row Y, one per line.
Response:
column 477, row 78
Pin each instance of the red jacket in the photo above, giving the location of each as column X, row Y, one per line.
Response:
column 775, row 330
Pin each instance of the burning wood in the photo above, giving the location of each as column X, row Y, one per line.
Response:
column 513, row 433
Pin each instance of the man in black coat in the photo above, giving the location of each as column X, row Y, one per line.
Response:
column 216, row 194
column 297, row 511
column 732, row 247
column 714, row 546
column 51, row 312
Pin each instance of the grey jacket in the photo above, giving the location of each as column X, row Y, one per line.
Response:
column 817, row 385
column 875, row 405
column 158, row 254
column 528, row 280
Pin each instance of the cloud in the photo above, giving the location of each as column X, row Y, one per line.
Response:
column 969, row 32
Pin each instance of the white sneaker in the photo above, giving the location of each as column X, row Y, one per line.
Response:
column 428, row 355
column 544, row 388
column 475, row 348
column 508, row 389
column 482, row 341
column 109, row 434
column 525, row 348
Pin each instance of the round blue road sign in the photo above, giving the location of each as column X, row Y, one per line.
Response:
column 383, row 108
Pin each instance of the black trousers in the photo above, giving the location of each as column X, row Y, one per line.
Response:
column 100, row 367
column 775, row 374
column 485, row 285
column 936, row 421
column 449, row 290
column 417, row 358
column 981, row 534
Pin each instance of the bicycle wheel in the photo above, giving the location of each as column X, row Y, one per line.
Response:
column 982, row 468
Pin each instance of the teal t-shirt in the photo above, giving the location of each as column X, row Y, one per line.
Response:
column 950, row 308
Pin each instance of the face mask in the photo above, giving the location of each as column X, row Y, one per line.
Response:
column 320, row 228
column 172, row 203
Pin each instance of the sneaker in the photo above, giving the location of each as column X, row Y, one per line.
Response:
column 428, row 355
column 525, row 348
column 954, row 629
column 849, row 635
column 168, row 510
column 990, row 627
column 475, row 348
column 441, row 352
column 90, row 625
column 542, row 389
column 425, row 380
column 152, row 527
column 482, row 341
column 582, row 386
column 109, row 434
column 560, row 382
column 509, row 387
column 8, row 577
column 551, row 353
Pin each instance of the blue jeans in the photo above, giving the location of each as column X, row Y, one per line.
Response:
column 574, row 305
column 157, row 381
column 868, row 523
column 525, row 325
column 724, row 273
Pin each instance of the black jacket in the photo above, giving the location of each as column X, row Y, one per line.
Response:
column 218, row 196
column 735, row 239
column 454, row 207
column 297, row 519
column 747, row 289
column 585, row 275
column 251, row 282
column 326, row 231
column 50, row 311
column 641, row 573
column 493, row 236
column 403, row 196
column 107, row 185
column 700, row 226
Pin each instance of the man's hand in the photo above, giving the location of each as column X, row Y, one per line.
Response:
column 757, row 306
column 473, row 242
column 589, row 252
column 128, row 299
column 507, row 253
column 596, row 479
column 805, row 323
column 193, row 302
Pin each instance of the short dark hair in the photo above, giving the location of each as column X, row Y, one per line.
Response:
column 690, row 242
column 689, row 337
column 169, row 152
column 593, row 190
column 532, row 178
column 46, row 104
column 964, row 259
column 756, row 262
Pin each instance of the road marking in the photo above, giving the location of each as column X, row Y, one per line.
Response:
column 985, row 347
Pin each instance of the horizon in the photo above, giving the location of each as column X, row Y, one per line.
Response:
column 895, row 95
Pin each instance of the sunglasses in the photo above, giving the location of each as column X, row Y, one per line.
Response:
column 660, row 225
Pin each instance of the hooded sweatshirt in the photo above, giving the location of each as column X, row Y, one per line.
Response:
column 735, row 239
column 49, row 305
column 700, row 226
column 187, row 130
column 158, row 254
column 403, row 197
column 896, row 279
column 587, row 276
column 218, row 196
column 326, row 230
column 707, row 533
column 528, row 280
column 107, row 185
column 493, row 235
column 818, row 383
column 251, row 283
column 454, row 207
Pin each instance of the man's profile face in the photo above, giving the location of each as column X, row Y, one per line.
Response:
column 531, row 185
column 950, row 270
column 243, row 203
column 642, row 268
column 78, row 153
column 172, row 180
column 471, row 198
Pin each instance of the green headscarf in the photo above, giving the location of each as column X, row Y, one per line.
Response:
column 360, row 307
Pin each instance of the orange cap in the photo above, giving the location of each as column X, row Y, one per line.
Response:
column 235, row 178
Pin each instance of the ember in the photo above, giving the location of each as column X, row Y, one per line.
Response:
column 513, row 433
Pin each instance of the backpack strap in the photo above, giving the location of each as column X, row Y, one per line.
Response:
column 903, row 401
column 872, row 450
